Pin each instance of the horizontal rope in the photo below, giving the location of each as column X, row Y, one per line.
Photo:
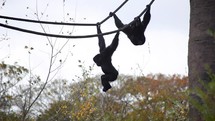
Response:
column 47, row 22
column 55, row 35
column 62, row 23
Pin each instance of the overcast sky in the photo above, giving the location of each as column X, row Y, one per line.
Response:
column 165, row 50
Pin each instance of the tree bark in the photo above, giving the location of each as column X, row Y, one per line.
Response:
column 201, row 49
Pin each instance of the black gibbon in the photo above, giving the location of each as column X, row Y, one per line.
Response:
column 135, row 31
column 103, row 59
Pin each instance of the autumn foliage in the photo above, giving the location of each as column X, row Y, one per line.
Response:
column 152, row 97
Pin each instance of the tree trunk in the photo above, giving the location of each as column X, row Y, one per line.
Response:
column 201, row 51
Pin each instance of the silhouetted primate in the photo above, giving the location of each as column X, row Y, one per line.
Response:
column 135, row 31
column 103, row 59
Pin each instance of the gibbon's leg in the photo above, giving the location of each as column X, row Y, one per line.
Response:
column 107, row 78
column 106, row 85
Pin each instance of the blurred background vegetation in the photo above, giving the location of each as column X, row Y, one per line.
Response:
column 151, row 97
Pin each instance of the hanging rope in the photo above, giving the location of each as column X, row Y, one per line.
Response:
column 77, row 36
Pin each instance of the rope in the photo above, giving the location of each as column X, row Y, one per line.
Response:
column 145, row 9
column 55, row 35
column 77, row 36
column 47, row 22
column 62, row 23
column 114, row 11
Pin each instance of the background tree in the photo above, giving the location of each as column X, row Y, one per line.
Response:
column 152, row 97
column 10, row 77
column 201, row 47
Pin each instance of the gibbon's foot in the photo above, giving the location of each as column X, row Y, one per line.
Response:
column 106, row 85
column 105, row 89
